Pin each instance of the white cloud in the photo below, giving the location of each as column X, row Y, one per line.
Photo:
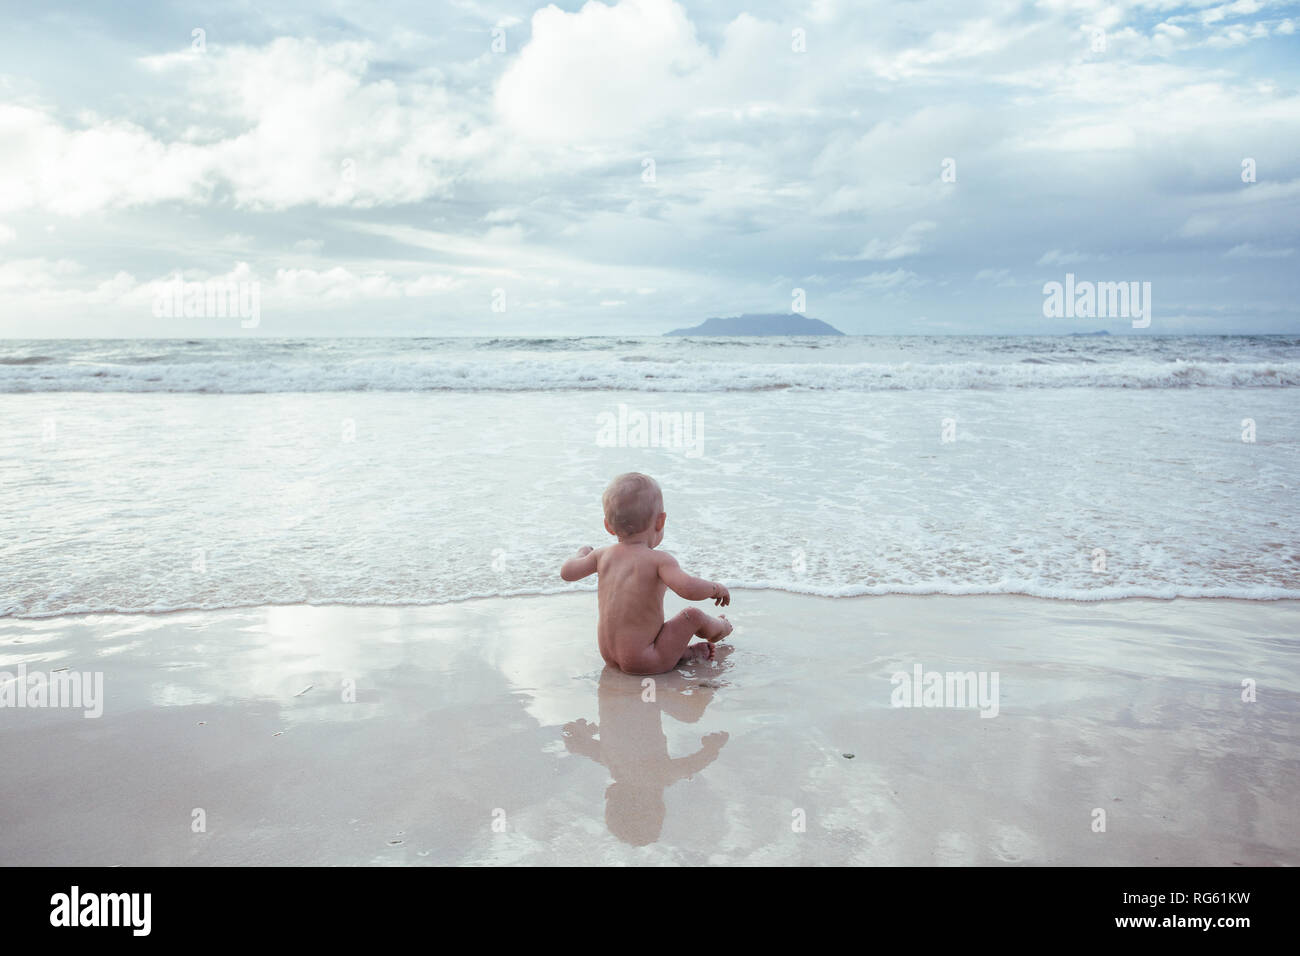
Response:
column 66, row 282
column 105, row 163
column 945, row 47
column 1001, row 278
column 897, row 162
column 1247, row 250
column 886, row 250
column 430, row 285
column 879, row 281
column 41, row 275
column 1070, row 136
column 524, row 170
column 299, row 122
column 1200, row 224
column 1055, row 257
column 602, row 72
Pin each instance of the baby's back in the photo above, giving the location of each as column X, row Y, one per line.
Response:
column 631, row 597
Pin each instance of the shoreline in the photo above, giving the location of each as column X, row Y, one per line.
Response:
column 479, row 714
column 1287, row 598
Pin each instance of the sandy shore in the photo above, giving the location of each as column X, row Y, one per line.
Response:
column 462, row 734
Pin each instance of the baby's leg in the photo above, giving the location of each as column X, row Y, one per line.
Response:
column 670, row 646
column 699, row 651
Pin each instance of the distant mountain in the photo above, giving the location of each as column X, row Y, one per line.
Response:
column 1077, row 334
column 775, row 324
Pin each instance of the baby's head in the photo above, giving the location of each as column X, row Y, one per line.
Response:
column 635, row 814
column 634, row 506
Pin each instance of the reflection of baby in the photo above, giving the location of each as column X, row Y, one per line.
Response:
column 631, row 579
column 633, row 747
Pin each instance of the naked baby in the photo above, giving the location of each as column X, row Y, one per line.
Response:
column 631, row 579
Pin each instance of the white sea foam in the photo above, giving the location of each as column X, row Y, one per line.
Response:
column 431, row 375
column 1026, row 589
column 652, row 365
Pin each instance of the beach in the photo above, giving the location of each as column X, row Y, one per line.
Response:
column 351, row 355
column 460, row 734
column 998, row 600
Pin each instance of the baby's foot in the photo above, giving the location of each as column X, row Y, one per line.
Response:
column 722, row 629
column 697, row 651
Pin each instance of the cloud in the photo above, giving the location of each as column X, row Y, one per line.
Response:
column 1055, row 257
column 1201, row 224
column 1001, row 278
column 295, row 122
column 600, row 73
column 428, row 166
column 886, row 250
column 880, row 281
column 946, row 47
column 37, row 274
column 896, row 163
column 66, row 282
column 106, row 163
column 1248, row 250
column 1072, row 137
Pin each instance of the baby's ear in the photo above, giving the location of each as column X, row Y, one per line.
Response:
column 659, row 522
column 608, row 528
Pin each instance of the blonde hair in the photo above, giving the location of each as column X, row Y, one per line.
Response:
column 632, row 502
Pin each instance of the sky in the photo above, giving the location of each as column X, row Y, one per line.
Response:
column 467, row 168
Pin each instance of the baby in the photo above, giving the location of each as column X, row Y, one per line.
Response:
column 632, row 633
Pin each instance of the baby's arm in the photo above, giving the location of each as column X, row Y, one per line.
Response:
column 689, row 587
column 580, row 738
column 685, row 766
column 580, row 565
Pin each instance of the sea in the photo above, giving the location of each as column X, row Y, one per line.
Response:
column 157, row 475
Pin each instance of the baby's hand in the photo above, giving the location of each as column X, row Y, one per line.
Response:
column 579, row 728
column 585, row 550
column 721, row 596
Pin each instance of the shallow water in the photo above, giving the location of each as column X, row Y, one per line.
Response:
column 163, row 501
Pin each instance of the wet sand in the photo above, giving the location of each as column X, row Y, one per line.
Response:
column 490, row 732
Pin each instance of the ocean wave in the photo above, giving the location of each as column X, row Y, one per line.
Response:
column 1167, row 592
column 403, row 373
